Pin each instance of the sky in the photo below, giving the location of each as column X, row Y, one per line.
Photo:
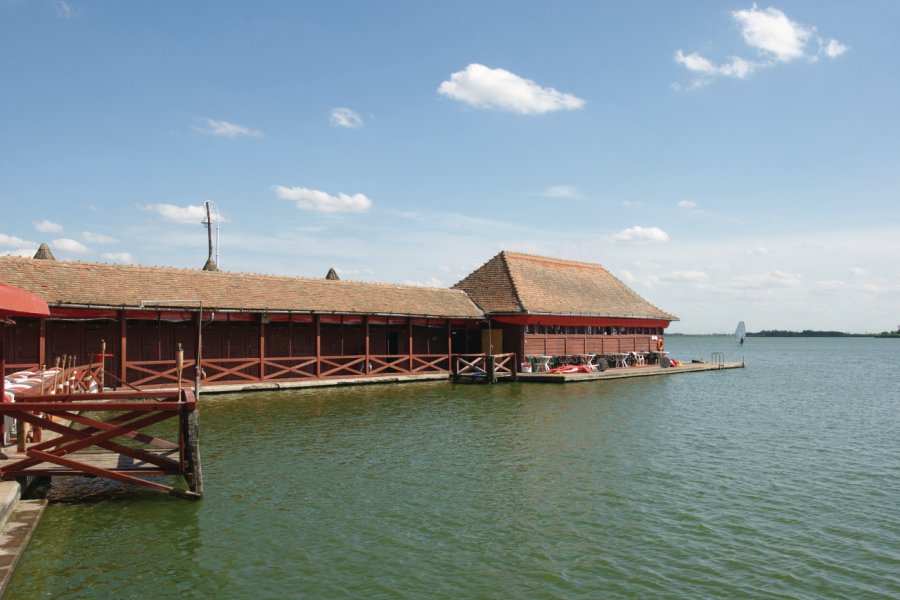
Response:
column 729, row 161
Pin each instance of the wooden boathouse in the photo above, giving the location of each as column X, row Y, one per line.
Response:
column 549, row 306
column 255, row 328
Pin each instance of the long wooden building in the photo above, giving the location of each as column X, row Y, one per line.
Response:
column 264, row 328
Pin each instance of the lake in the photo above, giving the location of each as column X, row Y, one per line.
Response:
column 778, row 480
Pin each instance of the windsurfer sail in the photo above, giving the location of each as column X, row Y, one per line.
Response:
column 740, row 333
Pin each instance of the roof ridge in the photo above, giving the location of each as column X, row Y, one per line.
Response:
column 512, row 281
column 553, row 259
column 60, row 264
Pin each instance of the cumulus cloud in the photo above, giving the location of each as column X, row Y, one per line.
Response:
column 561, row 191
column 317, row 201
column 344, row 117
column 484, row 87
column 833, row 48
column 186, row 215
column 46, row 226
column 775, row 38
column 772, row 32
column 692, row 276
column 11, row 241
column 69, row 245
column 122, row 257
column 857, row 271
column 687, row 204
column 225, row 129
column 639, row 234
column 97, row 238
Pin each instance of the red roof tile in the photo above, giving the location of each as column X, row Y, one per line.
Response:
column 523, row 283
column 63, row 283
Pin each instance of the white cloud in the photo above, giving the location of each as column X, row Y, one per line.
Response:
column 738, row 67
column 561, row 191
column 226, row 129
column 773, row 33
column 857, row 271
column 833, row 48
column 317, row 201
column 632, row 203
column 689, row 276
column 639, row 234
column 46, row 226
column 430, row 282
column 775, row 37
column 483, row 87
column 344, row 117
column 97, row 238
column 69, row 245
column 122, row 257
column 11, row 241
column 24, row 252
column 64, row 10
column 758, row 250
column 186, row 215
column 687, row 204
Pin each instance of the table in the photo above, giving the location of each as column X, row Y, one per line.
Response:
column 622, row 359
column 543, row 363
column 588, row 359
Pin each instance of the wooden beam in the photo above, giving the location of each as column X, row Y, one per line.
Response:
column 318, row 346
column 409, row 328
column 366, row 366
column 42, row 343
column 262, row 348
column 123, row 347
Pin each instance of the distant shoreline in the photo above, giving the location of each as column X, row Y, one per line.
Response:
column 804, row 334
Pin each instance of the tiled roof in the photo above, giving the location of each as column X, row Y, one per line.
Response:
column 523, row 283
column 63, row 283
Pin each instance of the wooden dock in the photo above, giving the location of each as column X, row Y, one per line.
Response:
column 627, row 372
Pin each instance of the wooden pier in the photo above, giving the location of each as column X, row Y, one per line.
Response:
column 627, row 372
column 102, row 435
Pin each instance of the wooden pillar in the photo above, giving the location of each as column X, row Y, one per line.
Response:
column 42, row 341
column 449, row 344
column 262, row 346
column 409, row 326
column 318, row 346
column 366, row 326
column 123, row 346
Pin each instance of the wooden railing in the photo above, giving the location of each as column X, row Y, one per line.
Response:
column 488, row 366
column 95, row 421
column 156, row 373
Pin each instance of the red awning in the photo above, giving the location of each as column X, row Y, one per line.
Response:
column 19, row 303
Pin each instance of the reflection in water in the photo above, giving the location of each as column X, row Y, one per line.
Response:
column 777, row 480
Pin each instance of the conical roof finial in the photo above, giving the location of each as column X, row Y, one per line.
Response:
column 44, row 253
column 332, row 274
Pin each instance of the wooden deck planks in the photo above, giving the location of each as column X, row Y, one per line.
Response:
column 623, row 373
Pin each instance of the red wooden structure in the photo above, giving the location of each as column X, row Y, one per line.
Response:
column 102, row 434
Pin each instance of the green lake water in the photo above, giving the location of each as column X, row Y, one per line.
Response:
column 781, row 480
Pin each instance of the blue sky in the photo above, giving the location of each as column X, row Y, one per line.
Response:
column 728, row 160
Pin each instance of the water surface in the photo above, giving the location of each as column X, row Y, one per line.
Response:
column 778, row 480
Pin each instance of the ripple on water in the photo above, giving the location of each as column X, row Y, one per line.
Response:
column 780, row 480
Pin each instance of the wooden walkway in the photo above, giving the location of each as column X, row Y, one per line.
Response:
column 624, row 373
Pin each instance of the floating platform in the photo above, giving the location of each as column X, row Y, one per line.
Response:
column 627, row 372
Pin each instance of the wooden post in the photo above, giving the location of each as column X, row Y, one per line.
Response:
column 42, row 342
column 409, row 327
column 262, row 348
column 366, row 368
column 123, row 348
column 449, row 346
column 179, row 366
column 491, row 374
column 101, row 374
column 318, row 346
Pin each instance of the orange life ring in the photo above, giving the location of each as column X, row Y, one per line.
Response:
column 660, row 344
